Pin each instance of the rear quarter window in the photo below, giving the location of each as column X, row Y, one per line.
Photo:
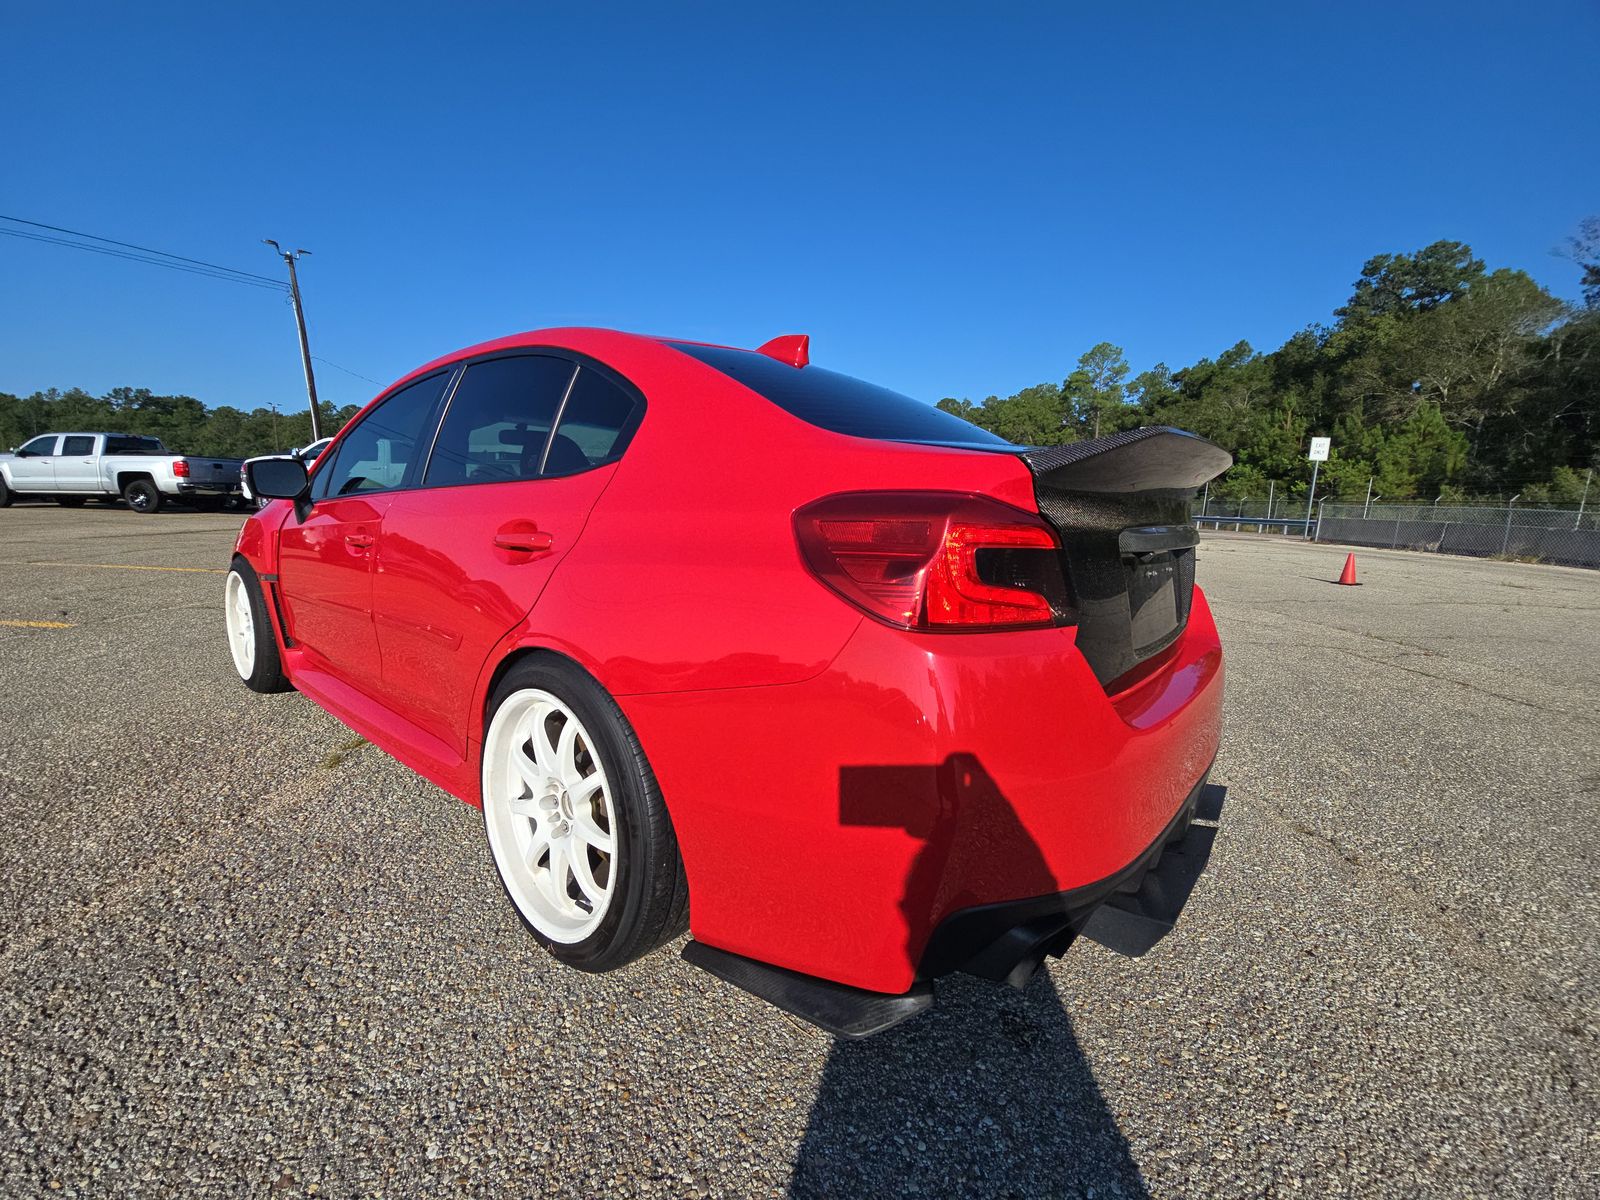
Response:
column 596, row 422
column 842, row 403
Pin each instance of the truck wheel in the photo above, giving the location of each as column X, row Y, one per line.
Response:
column 71, row 501
column 6, row 494
column 575, row 821
column 250, row 637
column 142, row 495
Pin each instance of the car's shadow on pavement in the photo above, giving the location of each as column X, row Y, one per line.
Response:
column 988, row 1094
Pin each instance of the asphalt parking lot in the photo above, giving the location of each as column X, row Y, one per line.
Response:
column 246, row 954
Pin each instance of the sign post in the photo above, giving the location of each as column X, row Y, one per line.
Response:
column 1318, row 456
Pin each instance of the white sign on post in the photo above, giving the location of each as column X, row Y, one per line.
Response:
column 1319, row 449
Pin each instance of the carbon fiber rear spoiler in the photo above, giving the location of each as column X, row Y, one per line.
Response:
column 1157, row 458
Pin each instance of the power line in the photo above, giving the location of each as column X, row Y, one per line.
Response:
column 347, row 370
column 154, row 262
column 193, row 262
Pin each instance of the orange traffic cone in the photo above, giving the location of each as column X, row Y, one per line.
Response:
column 1348, row 575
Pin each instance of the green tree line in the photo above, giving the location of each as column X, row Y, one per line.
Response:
column 1438, row 378
column 183, row 423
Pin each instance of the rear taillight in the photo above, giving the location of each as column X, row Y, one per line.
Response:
column 936, row 560
column 180, row 468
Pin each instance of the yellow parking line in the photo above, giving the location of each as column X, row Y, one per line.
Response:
column 37, row 624
column 119, row 567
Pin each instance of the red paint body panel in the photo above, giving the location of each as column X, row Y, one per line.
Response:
column 807, row 865
column 440, row 542
column 325, row 584
column 798, row 743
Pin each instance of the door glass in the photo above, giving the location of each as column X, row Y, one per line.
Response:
column 375, row 454
column 78, row 444
column 499, row 420
column 40, row 445
column 590, row 433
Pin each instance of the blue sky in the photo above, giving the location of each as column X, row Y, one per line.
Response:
column 949, row 199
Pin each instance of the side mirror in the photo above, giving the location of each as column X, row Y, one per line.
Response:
column 277, row 478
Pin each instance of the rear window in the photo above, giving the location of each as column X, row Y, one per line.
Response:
column 842, row 404
column 121, row 444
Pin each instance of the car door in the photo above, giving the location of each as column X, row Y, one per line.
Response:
column 34, row 468
column 526, row 445
column 78, row 463
column 325, row 561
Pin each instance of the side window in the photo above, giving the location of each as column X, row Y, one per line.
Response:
column 592, row 425
column 499, row 420
column 81, row 443
column 39, row 445
column 375, row 454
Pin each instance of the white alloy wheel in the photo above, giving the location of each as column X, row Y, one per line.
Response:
column 241, row 625
column 548, row 811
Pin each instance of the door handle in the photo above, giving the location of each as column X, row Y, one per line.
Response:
column 358, row 541
column 523, row 537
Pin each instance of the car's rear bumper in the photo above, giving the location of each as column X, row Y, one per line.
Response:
column 831, row 827
column 1003, row 942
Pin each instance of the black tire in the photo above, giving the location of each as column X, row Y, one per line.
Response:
column 142, row 495
column 651, row 904
column 6, row 494
column 266, row 673
column 71, row 501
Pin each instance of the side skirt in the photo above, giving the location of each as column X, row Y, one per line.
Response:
column 425, row 754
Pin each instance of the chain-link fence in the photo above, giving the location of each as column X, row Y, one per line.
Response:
column 1552, row 535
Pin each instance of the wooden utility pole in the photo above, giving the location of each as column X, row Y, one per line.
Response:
column 289, row 257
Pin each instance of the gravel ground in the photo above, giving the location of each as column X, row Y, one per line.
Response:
column 247, row 954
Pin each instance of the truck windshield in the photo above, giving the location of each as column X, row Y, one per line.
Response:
column 134, row 445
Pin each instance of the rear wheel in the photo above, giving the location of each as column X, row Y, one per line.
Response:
column 250, row 638
column 575, row 821
column 142, row 495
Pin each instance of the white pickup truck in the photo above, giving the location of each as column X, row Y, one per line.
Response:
column 70, row 468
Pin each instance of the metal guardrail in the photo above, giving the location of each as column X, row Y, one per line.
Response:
column 1262, row 524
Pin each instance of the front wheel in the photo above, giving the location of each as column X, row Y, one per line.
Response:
column 6, row 494
column 576, row 825
column 250, row 638
column 142, row 495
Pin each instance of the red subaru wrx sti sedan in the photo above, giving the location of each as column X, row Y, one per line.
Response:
column 859, row 693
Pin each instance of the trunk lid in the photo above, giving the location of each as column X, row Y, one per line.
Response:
column 1121, row 507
